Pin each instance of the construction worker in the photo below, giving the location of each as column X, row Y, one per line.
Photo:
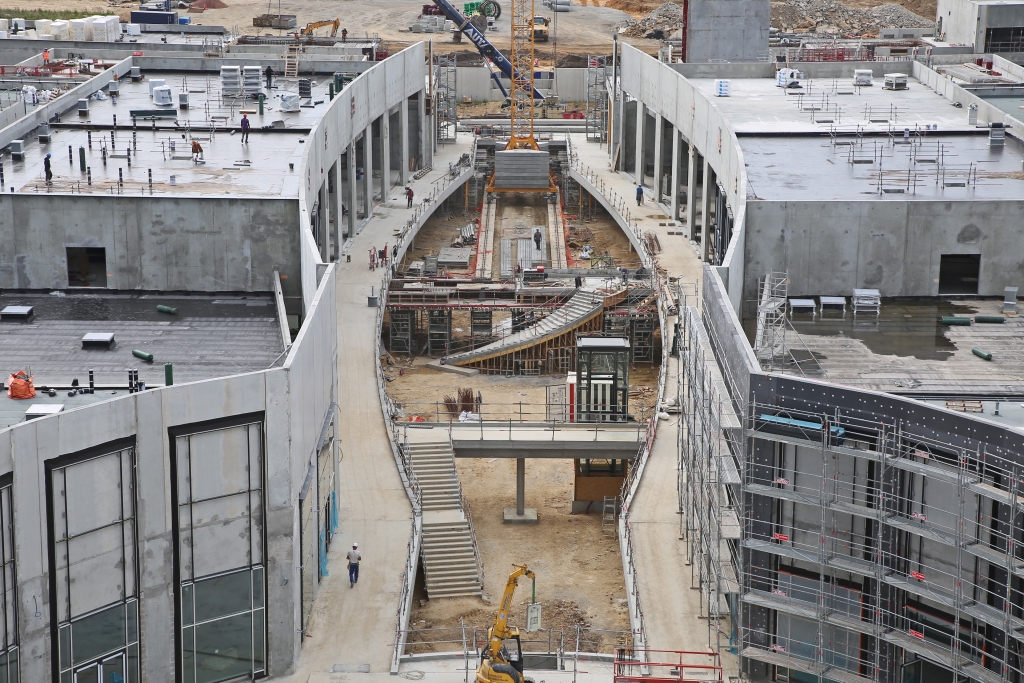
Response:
column 579, row 281
column 537, row 238
column 197, row 151
column 270, row 77
column 245, row 128
column 639, row 195
column 408, row 196
column 46, row 169
column 344, row 35
column 354, row 556
column 46, row 56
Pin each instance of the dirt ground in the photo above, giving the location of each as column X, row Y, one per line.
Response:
column 587, row 28
column 579, row 570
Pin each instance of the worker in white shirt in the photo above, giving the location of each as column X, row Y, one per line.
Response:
column 353, row 565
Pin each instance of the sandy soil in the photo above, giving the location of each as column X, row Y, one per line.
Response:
column 579, row 570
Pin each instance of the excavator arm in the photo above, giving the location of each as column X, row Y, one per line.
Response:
column 484, row 46
column 500, row 630
column 314, row 25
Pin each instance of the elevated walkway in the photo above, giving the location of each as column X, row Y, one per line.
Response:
column 510, row 439
column 584, row 312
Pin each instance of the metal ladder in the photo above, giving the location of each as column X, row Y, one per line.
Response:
column 609, row 512
column 291, row 62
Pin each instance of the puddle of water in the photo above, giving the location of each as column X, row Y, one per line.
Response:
column 905, row 327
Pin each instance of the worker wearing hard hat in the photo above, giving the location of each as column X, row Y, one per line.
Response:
column 354, row 556
column 47, row 169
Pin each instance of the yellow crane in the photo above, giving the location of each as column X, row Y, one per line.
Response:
column 314, row 25
column 503, row 658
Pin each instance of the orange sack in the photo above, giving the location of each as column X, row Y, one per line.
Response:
column 20, row 385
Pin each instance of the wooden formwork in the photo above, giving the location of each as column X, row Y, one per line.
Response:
column 532, row 359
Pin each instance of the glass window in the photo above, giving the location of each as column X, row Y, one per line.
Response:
column 219, row 486
column 92, row 512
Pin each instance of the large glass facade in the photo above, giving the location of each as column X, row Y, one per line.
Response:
column 8, row 583
column 219, row 477
column 94, row 567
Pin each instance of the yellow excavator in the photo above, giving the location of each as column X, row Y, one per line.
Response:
column 314, row 25
column 502, row 661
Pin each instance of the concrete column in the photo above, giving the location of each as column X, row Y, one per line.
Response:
column 325, row 222
column 641, row 114
column 620, row 136
column 385, row 156
column 674, row 180
column 352, row 196
column 424, row 150
column 691, row 194
column 368, row 171
column 520, row 486
column 339, row 216
column 403, row 124
column 659, row 133
column 707, row 191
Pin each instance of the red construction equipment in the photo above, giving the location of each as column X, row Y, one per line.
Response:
column 666, row 666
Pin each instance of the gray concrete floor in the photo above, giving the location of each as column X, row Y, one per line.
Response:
column 259, row 168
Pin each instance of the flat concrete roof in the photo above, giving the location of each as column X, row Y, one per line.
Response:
column 211, row 336
column 757, row 105
column 259, row 168
column 946, row 167
column 906, row 349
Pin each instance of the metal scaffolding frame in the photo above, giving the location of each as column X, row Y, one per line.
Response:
column 709, row 441
column 770, row 337
column 447, row 116
column 871, row 546
column 597, row 99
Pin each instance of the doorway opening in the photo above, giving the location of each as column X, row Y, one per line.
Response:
column 958, row 273
column 87, row 267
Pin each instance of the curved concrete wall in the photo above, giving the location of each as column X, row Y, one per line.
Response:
column 663, row 90
column 373, row 93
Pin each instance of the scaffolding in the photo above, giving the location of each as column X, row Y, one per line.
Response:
column 710, row 441
column 875, row 548
column 770, row 336
column 845, row 543
column 400, row 331
column 597, row 99
column 439, row 332
column 447, row 118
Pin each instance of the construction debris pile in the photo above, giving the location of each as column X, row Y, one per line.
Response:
column 660, row 24
column 834, row 18
column 802, row 16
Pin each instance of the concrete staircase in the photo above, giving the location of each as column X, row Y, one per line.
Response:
column 582, row 307
column 451, row 558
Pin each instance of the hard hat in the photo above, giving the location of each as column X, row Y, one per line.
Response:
column 48, row 155
column 355, row 545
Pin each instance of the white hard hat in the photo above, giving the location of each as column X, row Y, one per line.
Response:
column 355, row 545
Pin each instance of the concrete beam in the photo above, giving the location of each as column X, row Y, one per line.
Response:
column 385, row 156
column 567, row 450
column 352, row 196
column 403, row 122
column 368, row 171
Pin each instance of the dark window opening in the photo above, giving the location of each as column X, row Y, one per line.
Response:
column 1004, row 39
column 958, row 273
column 87, row 267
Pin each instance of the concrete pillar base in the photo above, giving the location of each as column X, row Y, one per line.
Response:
column 529, row 516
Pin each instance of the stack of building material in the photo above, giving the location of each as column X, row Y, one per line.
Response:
column 61, row 30
column 78, row 27
column 251, row 84
column 43, row 26
column 866, row 301
column 106, row 29
column 230, row 81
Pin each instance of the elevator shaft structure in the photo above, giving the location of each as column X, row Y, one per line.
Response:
column 521, row 111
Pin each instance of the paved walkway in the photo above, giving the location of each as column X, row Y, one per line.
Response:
column 671, row 607
column 356, row 626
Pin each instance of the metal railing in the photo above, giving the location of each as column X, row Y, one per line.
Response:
column 519, row 414
column 565, row 642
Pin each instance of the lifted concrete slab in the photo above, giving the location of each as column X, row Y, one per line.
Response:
column 529, row 516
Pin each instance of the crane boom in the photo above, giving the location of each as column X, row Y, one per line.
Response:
column 499, row 631
column 486, row 49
